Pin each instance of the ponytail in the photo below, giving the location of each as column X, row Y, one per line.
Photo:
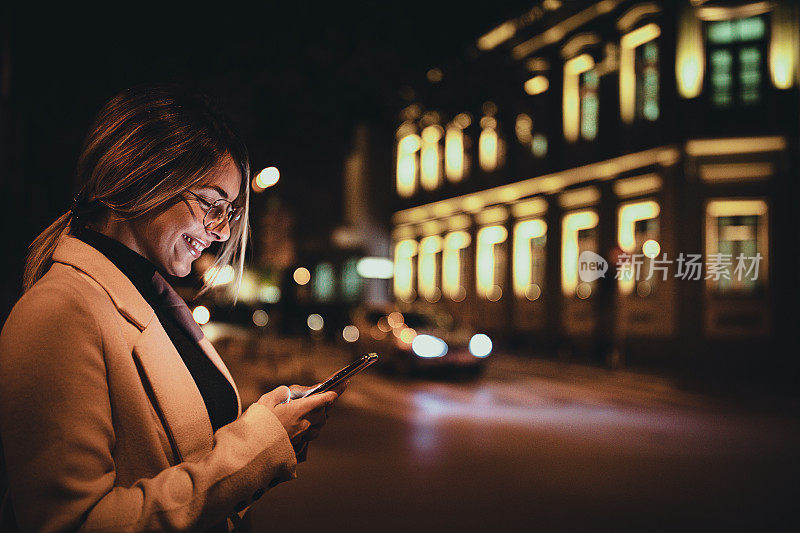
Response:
column 40, row 256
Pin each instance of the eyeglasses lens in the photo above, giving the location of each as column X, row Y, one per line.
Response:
column 217, row 215
column 214, row 217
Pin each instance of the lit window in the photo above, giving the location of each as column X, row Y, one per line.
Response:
column 454, row 153
column 721, row 78
column 638, row 238
column 573, row 101
column 324, row 282
column 456, row 164
column 539, row 145
column 578, row 234
column 407, row 148
column 490, row 145
column 453, row 265
column 647, row 82
column 351, row 281
column 428, row 268
column 590, row 104
column 430, row 158
column 784, row 46
column 689, row 55
column 731, row 31
column 750, row 75
column 736, row 52
column 736, row 245
column 404, row 253
column 530, row 237
column 490, row 262
column 638, row 74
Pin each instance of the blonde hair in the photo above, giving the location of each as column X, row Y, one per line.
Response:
column 148, row 145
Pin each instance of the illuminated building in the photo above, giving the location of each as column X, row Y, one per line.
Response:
column 635, row 130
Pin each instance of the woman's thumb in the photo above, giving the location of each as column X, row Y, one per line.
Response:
column 275, row 397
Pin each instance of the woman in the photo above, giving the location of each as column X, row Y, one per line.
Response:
column 116, row 413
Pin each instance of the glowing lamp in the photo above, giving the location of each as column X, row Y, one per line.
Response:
column 480, row 345
column 428, row 346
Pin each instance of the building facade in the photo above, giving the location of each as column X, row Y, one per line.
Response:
column 613, row 179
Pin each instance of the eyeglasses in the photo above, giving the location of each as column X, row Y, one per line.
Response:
column 218, row 212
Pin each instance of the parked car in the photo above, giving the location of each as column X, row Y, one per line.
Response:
column 415, row 342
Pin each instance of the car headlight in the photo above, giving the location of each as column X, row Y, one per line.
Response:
column 480, row 345
column 429, row 346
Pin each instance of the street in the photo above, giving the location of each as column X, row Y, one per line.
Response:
column 534, row 445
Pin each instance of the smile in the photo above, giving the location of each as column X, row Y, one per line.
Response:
column 195, row 247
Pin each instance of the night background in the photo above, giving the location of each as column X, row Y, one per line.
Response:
column 599, row 405
column 295, row 78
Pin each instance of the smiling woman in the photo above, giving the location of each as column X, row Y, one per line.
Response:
column 148, row 148
column 116, row 412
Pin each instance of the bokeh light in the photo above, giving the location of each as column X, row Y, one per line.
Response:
column 201, row 314
column 407, row 335
column 267, row 177
column 395, row 319
column 480, row 345
column 583, row 291
column 219, row 276
column 533, row 292
column 269, row 294
column 350, row 333
column 651, row 248
column 315, row 322
column 260, row 317
column 302, row 276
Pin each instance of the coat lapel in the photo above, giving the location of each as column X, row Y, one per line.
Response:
column 175, row 394
column 182, row 315
column 170, row 384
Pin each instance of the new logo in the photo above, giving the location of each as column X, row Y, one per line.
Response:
column 591, row 266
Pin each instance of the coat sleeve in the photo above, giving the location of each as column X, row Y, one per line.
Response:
column 58, row 436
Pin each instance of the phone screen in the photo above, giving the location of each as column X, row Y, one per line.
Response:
column 344, row 374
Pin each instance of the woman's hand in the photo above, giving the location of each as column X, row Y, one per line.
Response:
column 301, row 417
column 298, row 391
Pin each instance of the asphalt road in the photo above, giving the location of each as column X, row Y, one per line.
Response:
column 537, row 446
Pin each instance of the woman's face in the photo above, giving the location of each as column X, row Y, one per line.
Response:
column 174, row 238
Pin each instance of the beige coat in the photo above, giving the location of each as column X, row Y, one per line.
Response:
column 102, row 425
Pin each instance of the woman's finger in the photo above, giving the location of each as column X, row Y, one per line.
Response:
column 275, row 397
column 317, row 401
column 299, row 391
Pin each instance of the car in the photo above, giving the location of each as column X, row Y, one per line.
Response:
column 414, row 342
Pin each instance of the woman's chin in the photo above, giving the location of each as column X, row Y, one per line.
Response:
column 180, row 269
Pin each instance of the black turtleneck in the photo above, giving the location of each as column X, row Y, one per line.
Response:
column 218, row 395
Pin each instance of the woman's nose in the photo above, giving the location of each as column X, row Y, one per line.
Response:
column 221, row 232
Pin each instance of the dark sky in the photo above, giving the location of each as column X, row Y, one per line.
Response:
column 296, row 77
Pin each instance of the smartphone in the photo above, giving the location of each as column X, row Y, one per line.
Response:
column 344, row 374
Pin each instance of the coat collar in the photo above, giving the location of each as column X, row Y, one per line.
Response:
column 171, row 385
column 87, row 259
